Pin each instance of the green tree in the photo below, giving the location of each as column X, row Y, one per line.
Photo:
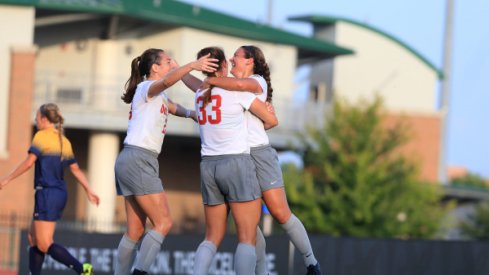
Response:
column 477, row 224
column 470, row 180
column 356, row 183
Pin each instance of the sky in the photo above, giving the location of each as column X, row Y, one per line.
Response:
column 419, row 24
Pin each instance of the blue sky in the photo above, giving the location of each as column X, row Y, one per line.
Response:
column 420, row 24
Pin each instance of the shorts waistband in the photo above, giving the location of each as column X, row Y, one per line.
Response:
column 219, row 157
column 144, row 150
column 261, row 147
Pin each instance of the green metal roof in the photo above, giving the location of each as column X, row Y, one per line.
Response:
column 330, row 20
column 182, row 14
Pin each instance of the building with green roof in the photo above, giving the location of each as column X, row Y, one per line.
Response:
column 382, row 65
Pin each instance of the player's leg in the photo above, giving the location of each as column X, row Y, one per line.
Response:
column 44, row 231
column 215, row 228
column 261, row 254
column 276, row 202
column 246, row 216
column 127, row 249
column 36, row 256
column 155, row 206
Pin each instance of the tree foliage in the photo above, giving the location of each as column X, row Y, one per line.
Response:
column 356, row 183
column 470, row 180
column 476, row 226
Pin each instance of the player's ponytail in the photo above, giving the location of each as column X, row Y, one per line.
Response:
column 140, row 68
column 52, row 113
column 217, row 53
column 260, row 66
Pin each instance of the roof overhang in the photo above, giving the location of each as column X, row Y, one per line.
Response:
column 172, row 14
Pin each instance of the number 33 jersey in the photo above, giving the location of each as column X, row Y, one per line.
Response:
column 222, row 121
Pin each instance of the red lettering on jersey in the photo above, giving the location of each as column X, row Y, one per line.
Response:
column 214, row 116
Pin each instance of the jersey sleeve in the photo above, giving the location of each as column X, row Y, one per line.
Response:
column 68, row 155
column 36, row 145
column 262, row 82
column 245, row 99
column 145, row 89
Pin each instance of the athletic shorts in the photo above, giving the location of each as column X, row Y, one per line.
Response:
column 268, row 170
column 228, row 178
column 49, row 203
column 137, row 172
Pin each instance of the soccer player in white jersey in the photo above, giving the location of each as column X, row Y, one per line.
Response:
column 228, row 176
column 251, row 74
column 136, row 167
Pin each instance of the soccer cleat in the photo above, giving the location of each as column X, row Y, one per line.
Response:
column 314, row 270
column 87, row 269
column 139, row 272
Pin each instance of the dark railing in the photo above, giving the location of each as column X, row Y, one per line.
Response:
column 11, row 225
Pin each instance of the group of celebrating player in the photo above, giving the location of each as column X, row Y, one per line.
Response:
column 238, row 167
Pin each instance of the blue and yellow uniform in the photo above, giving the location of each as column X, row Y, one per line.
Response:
column 49, row 182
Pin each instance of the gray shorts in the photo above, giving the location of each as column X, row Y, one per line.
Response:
column 228, row 178
column 268, row 170
column 137, row 172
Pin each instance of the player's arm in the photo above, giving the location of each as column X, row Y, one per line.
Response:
column 205, row 63
column 82, row 179
column 21, row 169
column 180, row 111
column 260, row 109
column 192, row 82
column 235, row 84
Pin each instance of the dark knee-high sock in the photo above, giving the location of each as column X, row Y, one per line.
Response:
column 36, row 258
column 261, row 255
column 62, row 255
column 298, row 235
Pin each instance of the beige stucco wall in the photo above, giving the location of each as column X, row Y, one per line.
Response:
column 101, row 69
column 21, row 35
column 382, row 66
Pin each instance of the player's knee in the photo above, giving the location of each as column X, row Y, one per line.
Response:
column 135, row 233
column 164, row 226
column 281, row 216
column 43, row 246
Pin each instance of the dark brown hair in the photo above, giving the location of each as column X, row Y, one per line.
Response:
column 217, row 53
column 140, row 68
column 53, row 115
column 260, row 66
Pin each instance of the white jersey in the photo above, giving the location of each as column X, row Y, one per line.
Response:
column 222, row 122
column 257, row 135
column 147, row 119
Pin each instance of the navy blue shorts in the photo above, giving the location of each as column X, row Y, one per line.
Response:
column 49, row 203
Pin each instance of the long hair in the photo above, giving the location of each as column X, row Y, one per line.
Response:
column 53, row 115
column 140, row 68
column 217, row 53
column 260, row 66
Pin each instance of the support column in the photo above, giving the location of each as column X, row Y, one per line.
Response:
column 103, row 150
column 22, row 34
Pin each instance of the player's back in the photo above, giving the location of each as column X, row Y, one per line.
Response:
column 222, row 121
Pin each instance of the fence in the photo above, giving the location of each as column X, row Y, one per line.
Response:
column 339, row 256
column 14, row 226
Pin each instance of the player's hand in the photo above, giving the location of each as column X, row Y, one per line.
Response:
column 205, row 63
column 270, row 107
column 93, row 198
column 3, row 183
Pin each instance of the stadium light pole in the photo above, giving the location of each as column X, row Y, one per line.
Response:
column 445, row 90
